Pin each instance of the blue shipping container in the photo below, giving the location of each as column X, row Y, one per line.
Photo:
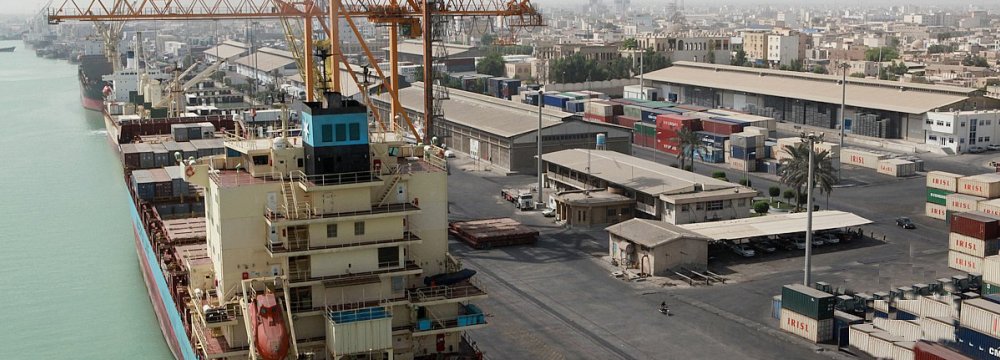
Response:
column 556, row 100
column 575, row 106
column 649, row 115
column 880, row 314
column 994, row 298
column 509, row 87
column 977, row 345
column 903, row 315
column 741, row 153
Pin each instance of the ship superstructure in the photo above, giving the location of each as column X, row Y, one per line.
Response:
column 347, row 234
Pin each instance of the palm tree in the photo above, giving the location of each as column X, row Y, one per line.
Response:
column 795, row 171
column 688, row 142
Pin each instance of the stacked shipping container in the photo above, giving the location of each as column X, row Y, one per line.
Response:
column 978, row 335
column 974, row 235
column 807, row 312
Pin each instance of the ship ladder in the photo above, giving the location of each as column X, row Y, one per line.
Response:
column 388, row 189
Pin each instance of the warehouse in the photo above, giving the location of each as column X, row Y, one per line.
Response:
column 653, row 247
column 661, row 192
column 267, row 65
column 456, row 57
column 227, row 50
column 875, row 108
column 501, row 133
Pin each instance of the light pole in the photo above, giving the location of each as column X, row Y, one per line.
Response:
column 811, row 139
column 539, row 144
column 655, row 141
column 843, row 106
column 746, row 163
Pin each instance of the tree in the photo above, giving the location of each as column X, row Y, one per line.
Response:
column 689, row 143
column 710, row 58
column 761, row 207
column 788, row 195
column 719, row 174
column 977, row 61
column 487, row 39
column 773, row 192
column 492, row 64
column 939, row 49
column 857, row 75
column 630, row 44
column 795, row 171
column 819, row 69
column 740, row 59
column 745, row 182
column 884, row 53
column 576, row 68
column 795, row 65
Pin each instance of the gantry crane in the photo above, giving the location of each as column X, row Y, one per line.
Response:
column 392, row 13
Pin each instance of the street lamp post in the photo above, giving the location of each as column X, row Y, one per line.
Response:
column 746, row 163
column 811, row 139
column 539, row 201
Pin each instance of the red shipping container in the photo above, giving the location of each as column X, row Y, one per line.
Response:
column 605, row 119
column 676, row 122
column 642, row 140
column 976, row 224
column 923, row 350
column 721, row 127
column 627, row 121
column 666, row 141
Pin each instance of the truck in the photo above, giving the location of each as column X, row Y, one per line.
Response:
column 522, row 199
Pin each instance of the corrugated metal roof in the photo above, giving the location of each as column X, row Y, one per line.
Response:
column 872, row 94
column 635, row 173
column 496, row 116
column 267, row 59
column 651, row 233
column 417, row 48
column 227, row 49
column 775, row 224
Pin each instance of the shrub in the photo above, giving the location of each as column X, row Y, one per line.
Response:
column 761, row 207
column 788, row 195
column 774, row 191
column 719, row 174
column 745, row 182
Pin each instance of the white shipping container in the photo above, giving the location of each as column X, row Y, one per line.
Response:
column 981, row 315
column 962, row 202
column 881, row 305
column 943, row 180
column 859, row 334
column 972, row 246
column 965, row 262
column 991, row 207
column 880, row 344
column 908, row 330
column 943, row 306
column 937, row 329
column 861, row 158
column 801, row 325
column 897, row 167
column 991, row 269
column 910, row 306
column 902, row 350
column 935, row 211
column 985, row 185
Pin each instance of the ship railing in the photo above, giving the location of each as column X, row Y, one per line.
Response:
column 304, row 244
column 284, row 212
column 333, row 179
column 468, row 288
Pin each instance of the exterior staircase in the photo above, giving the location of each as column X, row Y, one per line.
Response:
column 388, row 190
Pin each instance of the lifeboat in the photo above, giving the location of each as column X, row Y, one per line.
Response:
column 270, row 332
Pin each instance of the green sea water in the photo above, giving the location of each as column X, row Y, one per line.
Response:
column 69, row 273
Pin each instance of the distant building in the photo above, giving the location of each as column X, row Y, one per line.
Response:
column 653, row 247
column 227, row 50
column 782, row 50
column 518, row 70
column 960, row 130
column 603, row 53
column 455, row 57
column 267, row 65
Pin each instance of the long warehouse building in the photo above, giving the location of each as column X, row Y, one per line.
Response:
column 874, row 108
column 501, row 132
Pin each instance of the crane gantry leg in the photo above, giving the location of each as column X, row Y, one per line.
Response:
column 335, row 51
column 394, row 70
column 307, row 50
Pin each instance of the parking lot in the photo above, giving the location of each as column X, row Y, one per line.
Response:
column 556, row 299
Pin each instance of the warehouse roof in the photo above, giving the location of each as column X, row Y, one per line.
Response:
column 501, row 117
column 775, row 225
column 347, row 85
column 874, row 94
column 635, row 173
column 267, row 59
column 227, row 49
column 414, row 47
column 651, row 233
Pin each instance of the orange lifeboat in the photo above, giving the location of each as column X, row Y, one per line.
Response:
column 270, row 332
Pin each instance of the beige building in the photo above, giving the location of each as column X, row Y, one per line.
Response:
column 660, row 192
column 603, row 53
column 654, row 248
column 589, row 208
column 346, row 251
column 755, row 45
column 518, row 70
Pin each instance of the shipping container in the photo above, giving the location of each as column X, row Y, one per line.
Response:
column 991, row 207
column 989, row 288
column 603, row 119
column 938, row 196
column 928, row 351
column 161, row 157
column 776, row 307
column 906, row 315
column 975, row 224
column 648, row 115
column 803, row 326
column 963, row 203
column 880, row 344
column 143, row 184
column 575, row 106
column 861, row 158
column 842, row 322
column 555, row 100
column 807, row 301
column 146, row 159
column 897, row 167
column 721, row 126
column 908, row 330
column 981, row 315
column 677, row 122
column 991, row 269
column 985, row 185
column 936, row 211
column 939, row 306
column 190, row 152
column 172, row 149
column 603, row 108
column 748, row 154
column 859, row 336
column 130, row 156
column 692, row 107
column 943, row 180
column 747, row 140
column 973, row 246
column 964, row 262
column 633, row 111
column 179, row 186
column 179, row 132
column 938, row 329
column 163, row 185
column 977, row 344
column 903, row 350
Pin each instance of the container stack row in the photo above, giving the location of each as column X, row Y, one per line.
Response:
column 973, row 237
column 949, row 193
column 160, row 183
column 157, row 155
column 807, row 312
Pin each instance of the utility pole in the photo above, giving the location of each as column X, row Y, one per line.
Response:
column 843, row 106
column 538, row 141
column 811, row 139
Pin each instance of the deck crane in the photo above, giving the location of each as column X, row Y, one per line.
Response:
column 174, row 91
column 393, row 13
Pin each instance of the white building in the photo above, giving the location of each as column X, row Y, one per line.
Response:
column 782, row 50
column 267, row 65
column 960, row 130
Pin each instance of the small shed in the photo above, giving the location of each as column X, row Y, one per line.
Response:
column 589, row 208
column 654, row 247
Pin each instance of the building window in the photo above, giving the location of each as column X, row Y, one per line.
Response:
column 684, row 208
column 980, row 139
column 359, row 228
column 697, row 206
column 962, row 124
column 931, row 137
column 355, row 132
column 388, row 257
column 341, row 132
column 326, row 133
column 331, row 230
column 714, row 205
column 611, row 212
column 987, row 139
column 952, row 140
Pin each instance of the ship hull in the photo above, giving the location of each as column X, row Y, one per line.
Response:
column 169, row 318
column 91, row 103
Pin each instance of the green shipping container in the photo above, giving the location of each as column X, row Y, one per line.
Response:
column 644, row 129
column 990, row 289
column 937, row 196
column 659, row 104
column 633, row 111
column 807, row 301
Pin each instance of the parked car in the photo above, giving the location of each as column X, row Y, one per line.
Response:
column 975, row 149
column 742, row 250
column 817, row 240
column 549, row 212
column 763, row 246
column 800, row 242
column 905, row 222
column 786, row 244
column 829, row 238
column 992, row 147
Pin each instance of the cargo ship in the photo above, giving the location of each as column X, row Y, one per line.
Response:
column 325, row 245
column 91, row 73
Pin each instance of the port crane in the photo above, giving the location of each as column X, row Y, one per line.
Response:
column 412, row 16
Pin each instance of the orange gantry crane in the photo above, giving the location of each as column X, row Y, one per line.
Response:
column 415, row 14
